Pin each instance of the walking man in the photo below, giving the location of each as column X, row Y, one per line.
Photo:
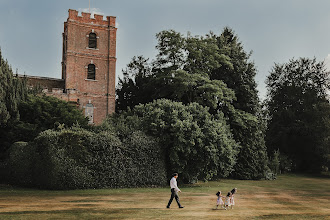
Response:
column 174, row 191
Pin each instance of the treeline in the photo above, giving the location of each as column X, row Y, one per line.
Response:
column 193, row 109
column 292, row 126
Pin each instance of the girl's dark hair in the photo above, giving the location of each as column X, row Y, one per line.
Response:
column 218, row 193
column 228, row 194
column 175, row 174
column 233, row 191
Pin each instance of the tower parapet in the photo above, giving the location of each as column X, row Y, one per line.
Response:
column 86, row 18
column 89, row 63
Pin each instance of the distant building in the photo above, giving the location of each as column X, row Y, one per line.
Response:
column 88, row 66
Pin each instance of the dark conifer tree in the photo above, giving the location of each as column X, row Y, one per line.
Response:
column 12, row 91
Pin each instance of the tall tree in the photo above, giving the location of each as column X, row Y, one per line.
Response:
column 12, row 91
column 240, row 74
column 210, row 70
column 135, row 87
column 196, row 143
column 299, row 112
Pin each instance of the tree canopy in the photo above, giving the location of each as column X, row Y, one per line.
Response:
column 12, row 92
column 299, row 112
column 213, row 71
column 195, row 143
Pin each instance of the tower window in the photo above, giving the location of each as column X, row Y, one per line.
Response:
column 92, row 40
column 91, row 72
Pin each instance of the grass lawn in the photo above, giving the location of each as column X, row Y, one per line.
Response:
column 288, row 197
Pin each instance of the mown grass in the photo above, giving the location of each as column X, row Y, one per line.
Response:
column 288, row 197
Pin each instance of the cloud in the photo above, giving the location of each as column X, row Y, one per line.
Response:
column 93, row 11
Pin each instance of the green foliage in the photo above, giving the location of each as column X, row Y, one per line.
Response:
column 237, row 71
column 62, row 160
column 192, row 69
column 20, row 164
column 171, row 46
column 76, row 158
column 12, row 92
column 299, row 112
column 252, row 158
column 44, row 112
column 213, row 71
column 274, row 162
column 196, row 144
column 135, row 77
column 39, row 113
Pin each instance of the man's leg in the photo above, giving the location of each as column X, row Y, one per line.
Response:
column 177, row 199
column 171, row 199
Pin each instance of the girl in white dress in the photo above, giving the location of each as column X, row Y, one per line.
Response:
column 227, row 200
column 232, row 201
column 219, row 200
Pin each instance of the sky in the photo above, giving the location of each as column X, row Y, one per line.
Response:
column 274, row 30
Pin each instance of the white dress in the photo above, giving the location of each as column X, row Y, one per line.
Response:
column 219, row 201
column 232, row 202
column 227, row 201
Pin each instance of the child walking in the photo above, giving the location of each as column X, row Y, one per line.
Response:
column 227, row 200
column 219, row 200
column 232, row 201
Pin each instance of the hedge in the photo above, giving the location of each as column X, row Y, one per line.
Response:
column 76, row 158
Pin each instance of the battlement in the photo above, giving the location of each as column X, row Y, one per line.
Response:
column 86, row 18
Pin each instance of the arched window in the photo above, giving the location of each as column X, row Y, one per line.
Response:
column 91, row 71
column 92, row 41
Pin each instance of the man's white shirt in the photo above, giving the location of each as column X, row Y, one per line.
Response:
column 174, row 184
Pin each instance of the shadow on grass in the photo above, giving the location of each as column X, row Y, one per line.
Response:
column 85, row 213
column 291, row 216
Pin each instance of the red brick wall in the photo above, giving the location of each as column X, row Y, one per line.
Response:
column 45, row 83
column 74, row 85
column 76, row 57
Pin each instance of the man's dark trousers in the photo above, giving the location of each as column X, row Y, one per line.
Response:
column 174, row 194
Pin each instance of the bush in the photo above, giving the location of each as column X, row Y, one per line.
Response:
column 76, row 158
column 62, row 160
column 195, row 144
column 20, row 163
column 39, row 113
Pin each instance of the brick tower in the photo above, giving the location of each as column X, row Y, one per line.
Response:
column 89, row 63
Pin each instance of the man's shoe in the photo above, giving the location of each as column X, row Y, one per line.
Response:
column 181, row 207
column 167, row 207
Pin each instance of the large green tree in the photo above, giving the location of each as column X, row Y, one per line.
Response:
column 213, row 71
column 299, row 112
column 195, row 143
column 12, row 92
column 239, row 74
column 135, row 87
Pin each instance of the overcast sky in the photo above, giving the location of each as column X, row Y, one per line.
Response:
column 275, row 30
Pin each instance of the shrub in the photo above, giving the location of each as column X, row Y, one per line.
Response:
column 76, row 158
column 195, row 143
column 62, row 160
column 20, row 163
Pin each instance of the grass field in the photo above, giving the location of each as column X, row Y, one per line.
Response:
column 288, row 197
